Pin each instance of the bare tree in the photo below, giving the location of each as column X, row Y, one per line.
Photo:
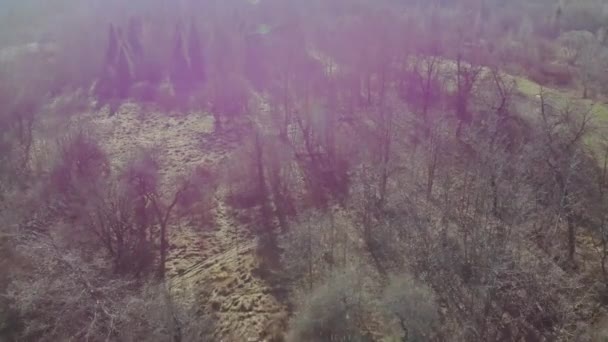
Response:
column 62, row 296
column 563, row 132
column 599, row 210
column 314, row 247
column 187, row 193
column 585, row 52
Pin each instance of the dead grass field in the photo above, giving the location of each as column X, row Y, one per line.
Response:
column 211, row 265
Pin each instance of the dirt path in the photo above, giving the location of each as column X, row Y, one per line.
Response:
column 220, row 277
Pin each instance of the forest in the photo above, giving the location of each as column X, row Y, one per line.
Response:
column 304, row 170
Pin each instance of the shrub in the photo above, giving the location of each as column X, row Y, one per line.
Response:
column 335, row 311
column 413, row 305
column 81, row 163
column 63, row 297
column 552, row 73
column 229, row 97
column 143, row 92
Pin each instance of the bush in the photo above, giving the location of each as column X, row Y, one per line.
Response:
column 229, row 97
column 106, row 212
column 63, row 297
column 151, row 315
column 313, row 247
column 143, row 92
column 60, row 296
column 335, row 311
column 413, row 305
column 81, row 163
column 552, row 73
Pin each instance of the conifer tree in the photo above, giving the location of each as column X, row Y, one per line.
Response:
column 123, row 74
column 105, row 89
column 134, row 37
column 112, row 49
column 197, row 61
column 180, row 73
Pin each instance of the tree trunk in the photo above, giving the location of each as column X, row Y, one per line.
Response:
column 163, row 250
column 571, row 238
column 585, row 92
column 386, row 150
column 604, row 257
column 262, row 191
column 429, row 182
column 432, row 166
column 369, row 89
column 571, row 231
column 494, row 196
column 163, row 221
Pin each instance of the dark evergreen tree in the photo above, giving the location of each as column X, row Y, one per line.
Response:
column 123, row 74
column 134, row 33
column 112, row 49
column 180, row 71
column 106, row 88
column 195, row 53
column 136, row 50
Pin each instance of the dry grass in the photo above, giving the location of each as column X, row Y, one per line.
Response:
column 209, row 265
column 222, row 273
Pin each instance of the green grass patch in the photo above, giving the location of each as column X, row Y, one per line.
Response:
column 527, row 87
column 532, row 89
column 601, row 112
column 563, row 98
